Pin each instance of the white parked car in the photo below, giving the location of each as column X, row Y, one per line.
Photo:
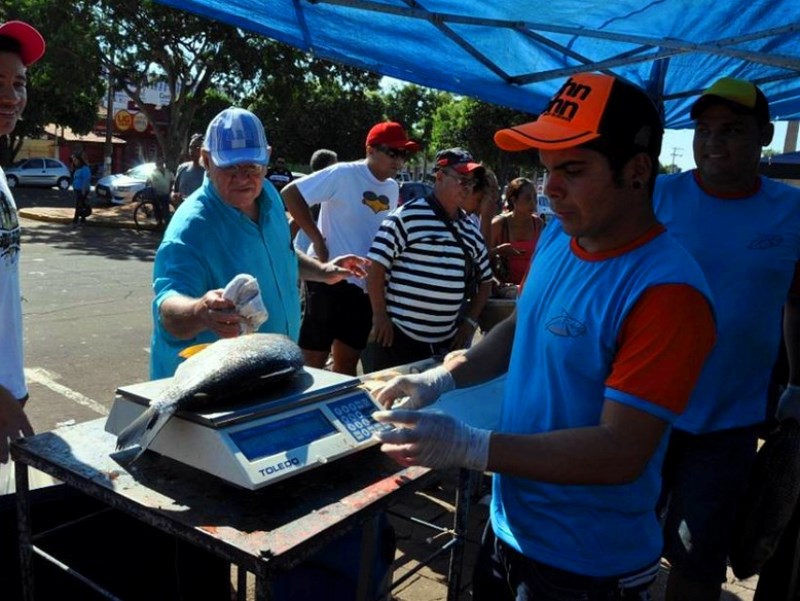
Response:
column 39, row 171
column 120, row 188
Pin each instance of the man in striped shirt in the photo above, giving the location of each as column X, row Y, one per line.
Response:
column 425, row 258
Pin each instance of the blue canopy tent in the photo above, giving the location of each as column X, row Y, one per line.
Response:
column 517, row 52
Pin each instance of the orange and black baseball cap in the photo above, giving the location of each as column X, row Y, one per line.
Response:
column 742, row 97
column 591, row 107
column 31, row 43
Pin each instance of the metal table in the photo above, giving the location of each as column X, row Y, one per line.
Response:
column 261, row 532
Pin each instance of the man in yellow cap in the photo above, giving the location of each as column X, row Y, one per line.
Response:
column 610, row 333
column 20, row 46
column 744, row 231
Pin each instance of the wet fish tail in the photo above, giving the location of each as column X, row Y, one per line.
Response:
column 144, row 428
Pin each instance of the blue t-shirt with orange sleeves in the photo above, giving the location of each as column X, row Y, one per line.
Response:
column 632, row 325
column 206, row 245
column 748, row 247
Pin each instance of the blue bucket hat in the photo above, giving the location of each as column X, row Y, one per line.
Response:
column 236, row 136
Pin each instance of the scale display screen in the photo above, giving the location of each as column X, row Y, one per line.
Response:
column 282, row 435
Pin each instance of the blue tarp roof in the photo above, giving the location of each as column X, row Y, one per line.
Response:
column 517, row 52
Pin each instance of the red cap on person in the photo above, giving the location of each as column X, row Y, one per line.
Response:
column 30, row 41
column 392, row 135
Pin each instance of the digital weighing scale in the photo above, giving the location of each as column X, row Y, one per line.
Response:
column 303, row 422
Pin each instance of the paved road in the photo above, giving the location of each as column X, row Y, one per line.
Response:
column 86, row 305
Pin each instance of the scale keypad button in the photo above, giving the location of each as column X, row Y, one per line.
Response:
column 356, row 416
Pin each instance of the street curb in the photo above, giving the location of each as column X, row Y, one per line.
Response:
column 41, row 216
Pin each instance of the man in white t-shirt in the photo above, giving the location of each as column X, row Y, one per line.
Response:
column 20, row 46
column 354, row 197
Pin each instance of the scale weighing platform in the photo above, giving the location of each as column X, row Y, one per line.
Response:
column 303, row 422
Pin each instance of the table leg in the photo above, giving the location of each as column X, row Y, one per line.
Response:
column 459, row 530
column 369, row 541
column 263, row 591
column 241, row 584
column 24, row 531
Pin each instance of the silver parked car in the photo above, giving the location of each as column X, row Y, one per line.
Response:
column 120, row 188
column 39, row 171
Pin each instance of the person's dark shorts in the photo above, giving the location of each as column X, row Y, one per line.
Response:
column 503, row 574
column 404, row 350
column 704, row 476
column 335, row 312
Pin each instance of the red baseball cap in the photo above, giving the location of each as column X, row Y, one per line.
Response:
column 590, row 106
column 391, row 134
column 30, row 40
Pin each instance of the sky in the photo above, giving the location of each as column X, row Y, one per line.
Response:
column 679, row 141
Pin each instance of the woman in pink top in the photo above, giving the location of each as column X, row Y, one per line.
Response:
column 515, row 233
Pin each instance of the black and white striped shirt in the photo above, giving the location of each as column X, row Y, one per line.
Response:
column 425, row 268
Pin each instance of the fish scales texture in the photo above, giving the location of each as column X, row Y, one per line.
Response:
column 231, row 366
column 225, row 368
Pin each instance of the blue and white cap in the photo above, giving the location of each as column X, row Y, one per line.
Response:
column 236, row 136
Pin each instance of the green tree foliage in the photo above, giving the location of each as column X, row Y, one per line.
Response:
column 307, row 103
column 471, row 124
column 145, row 43
column 320, row 118
column 415, row 107
column 64, row 87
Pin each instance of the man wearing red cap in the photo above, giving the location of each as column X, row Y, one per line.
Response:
column 743, row 231
column 20, row 46
column 354, row 198
column 608, row 338
column 426, row 261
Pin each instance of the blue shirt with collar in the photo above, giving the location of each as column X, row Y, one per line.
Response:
column 207, row 244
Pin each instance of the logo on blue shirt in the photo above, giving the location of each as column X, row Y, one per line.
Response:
column 566, row 325
column 765, row 242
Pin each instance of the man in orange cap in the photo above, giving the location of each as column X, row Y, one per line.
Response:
column 354, row 197
column 20, row 46
column 743, row 231
column 609, row 336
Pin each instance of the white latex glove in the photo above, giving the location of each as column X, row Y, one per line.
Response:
column 420, row 389
column 243, row 291
column 789, row 404
column 433, row 440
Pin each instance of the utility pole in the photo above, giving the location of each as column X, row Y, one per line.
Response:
column 675, row 155
column 790, row 143
column 109, row 147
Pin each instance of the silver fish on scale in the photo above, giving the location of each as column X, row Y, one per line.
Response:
column 227, row 367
